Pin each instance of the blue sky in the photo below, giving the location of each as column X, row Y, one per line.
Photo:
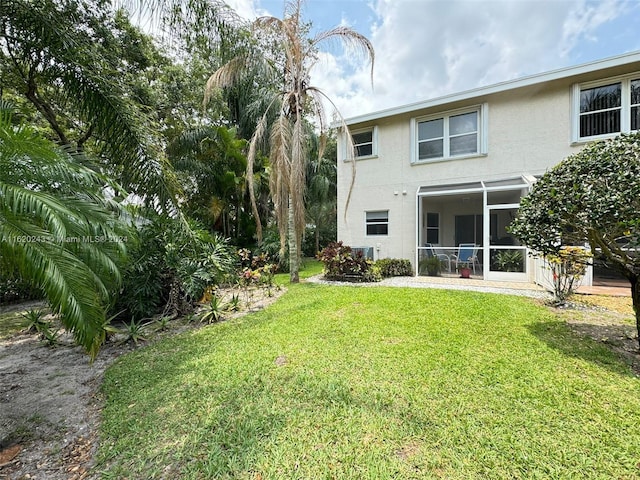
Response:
column 430, row 48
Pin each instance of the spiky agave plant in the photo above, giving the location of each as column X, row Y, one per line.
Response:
column 58, row 229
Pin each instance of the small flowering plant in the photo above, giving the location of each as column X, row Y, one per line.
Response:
column 568, row 266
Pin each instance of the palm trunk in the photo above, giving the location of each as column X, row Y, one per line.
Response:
column 294, row 256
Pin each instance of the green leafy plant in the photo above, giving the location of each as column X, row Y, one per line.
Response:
column 35, row 320
column 49, row 335
column 234, row 303
column 57, row 229
column 37, row 324
column 162, row 323
column 134, row 331
column 431, row 265
column 213, row 311
column 509, row 261
column 394, row 267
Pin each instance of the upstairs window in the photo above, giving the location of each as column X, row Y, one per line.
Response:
column 608, row 108
column 600, row 110
column 365, row 143
column 457, row 134
column 635, row 104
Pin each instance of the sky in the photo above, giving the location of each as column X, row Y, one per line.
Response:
column 430, row 48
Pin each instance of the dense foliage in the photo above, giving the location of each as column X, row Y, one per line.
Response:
column 284, row 50
column 394, row 267
column 340, row 263
column 169, row 268
column 58, row 228
column 82, row 73
column 591, row 197
column 126, row 112
column 14, row 288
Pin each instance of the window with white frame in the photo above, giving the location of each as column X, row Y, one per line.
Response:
column 433, row 228
column 364, row 143
column 608, row 108
column 456, row 134
column 377, row 223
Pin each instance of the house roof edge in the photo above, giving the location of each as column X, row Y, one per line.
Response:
column 629, row 57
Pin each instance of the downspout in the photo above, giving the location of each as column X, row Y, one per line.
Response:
column 417, row 230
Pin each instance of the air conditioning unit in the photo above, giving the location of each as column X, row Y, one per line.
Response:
column 367, row 252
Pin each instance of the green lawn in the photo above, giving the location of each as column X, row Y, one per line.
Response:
column 374, row 383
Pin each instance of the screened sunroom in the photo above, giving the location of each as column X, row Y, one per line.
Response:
column 465, row 225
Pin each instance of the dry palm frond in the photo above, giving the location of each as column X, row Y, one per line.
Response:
column 298, row 99
column 354, row 40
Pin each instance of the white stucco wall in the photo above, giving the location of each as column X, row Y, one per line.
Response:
column 528, row 131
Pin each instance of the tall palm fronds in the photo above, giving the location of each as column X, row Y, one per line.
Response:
column 289, row 54
column 57, row 53
column 211, row 163
column 58, row 230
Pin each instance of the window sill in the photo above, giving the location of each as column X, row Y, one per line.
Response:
column 357, row 159
column 449, row 159
column 596, row 138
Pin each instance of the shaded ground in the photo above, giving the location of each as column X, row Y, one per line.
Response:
column 50, row 402
column 609, row 320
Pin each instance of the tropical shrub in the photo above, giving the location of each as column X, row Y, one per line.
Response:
column 341, row 264
column 568, row 266
column 394, row 267
column 593, row 197
column 170, row 267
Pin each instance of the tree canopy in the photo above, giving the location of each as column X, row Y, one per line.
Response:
column 82, row 67
column 591, row 197
column 285, row 52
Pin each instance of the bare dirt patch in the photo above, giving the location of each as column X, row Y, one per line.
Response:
column 608, row 320
column 50, row 402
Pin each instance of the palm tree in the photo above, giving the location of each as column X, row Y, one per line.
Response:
column 321, row 202
column 58, row 229
column 67, row 60
column 296, row 103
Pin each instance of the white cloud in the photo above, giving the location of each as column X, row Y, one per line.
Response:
column 246, row 8
column 426, row 49
column 429, row 48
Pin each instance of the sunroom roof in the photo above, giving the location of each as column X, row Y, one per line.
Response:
column 514, row 183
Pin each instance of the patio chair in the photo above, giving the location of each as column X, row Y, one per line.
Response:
column 443, row 257
column 467, row 253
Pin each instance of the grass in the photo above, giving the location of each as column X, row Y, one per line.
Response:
column 12, row 319
column 309, row 268
column 370, row 383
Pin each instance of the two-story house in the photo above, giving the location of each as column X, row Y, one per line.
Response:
column 433, row 175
